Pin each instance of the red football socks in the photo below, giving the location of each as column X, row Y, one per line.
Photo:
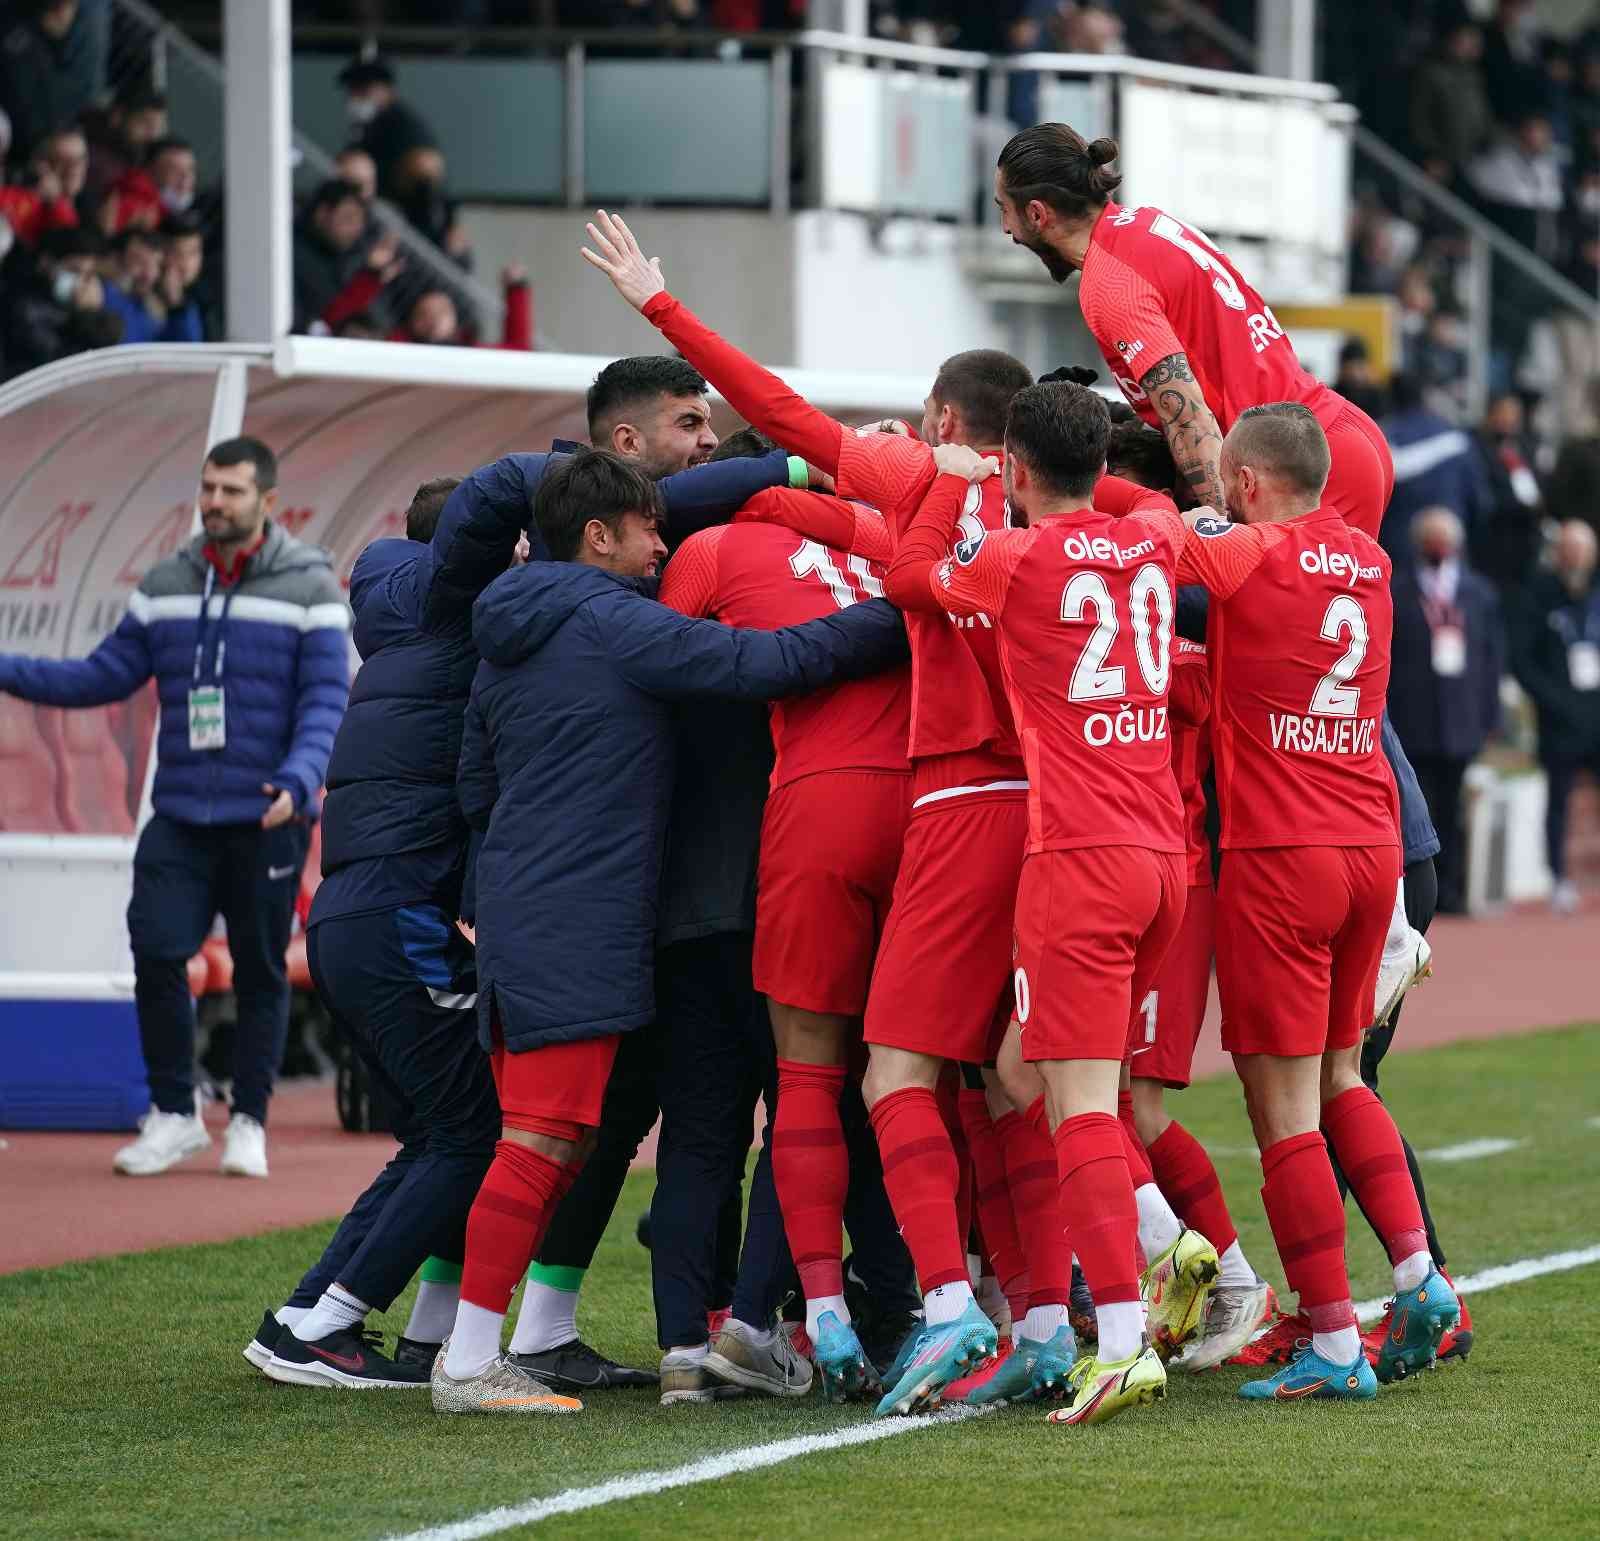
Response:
column 1365, row 1139
column 1036, row 1204
column 919, row 1174
column 1139, row 1170
column 1185, row 1174
column 1307, row 1219
column 1097, row 1201
column 508, row 1220
column 948, row 1097
column 812, row 1171
column 991, row 1197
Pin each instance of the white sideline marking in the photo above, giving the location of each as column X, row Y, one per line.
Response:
column 1497, row 1278
column 755, row 1457
column 643, row 1484
column 1471, row 1150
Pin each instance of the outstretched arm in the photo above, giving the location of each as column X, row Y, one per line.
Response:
column 1190, row 426
column 913, row 582
column 835, row 522
column 757, row 395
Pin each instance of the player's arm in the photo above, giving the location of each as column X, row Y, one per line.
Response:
column 1222, row 555
column 926, row 543
column 756, row 394
column 975, row 578
column 690, row 583
column 1119, row 497
column 1190, row 426
column 835, row 522
column 1189, row 697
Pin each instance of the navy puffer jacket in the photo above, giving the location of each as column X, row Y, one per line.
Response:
column 567, row 763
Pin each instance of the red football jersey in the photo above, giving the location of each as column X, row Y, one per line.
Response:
column 1154, row 286
column 958, row 691
column 1083, row 608
column 765, row 576
column 1189, row 716
column 1298, row 639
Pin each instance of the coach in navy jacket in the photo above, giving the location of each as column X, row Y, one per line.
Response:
column 246, row 632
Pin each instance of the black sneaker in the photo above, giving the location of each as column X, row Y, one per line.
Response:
column 575, row 1367
column 348, row 1359
column 414, row 1351
column 883, row 1333
column 1080, row 1309
column 259, row 1349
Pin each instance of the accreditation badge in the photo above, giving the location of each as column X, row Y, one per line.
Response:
column 1583, row 665
column 208, row 727
column 1449, row 652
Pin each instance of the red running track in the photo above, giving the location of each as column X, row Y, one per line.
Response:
column 60, row 1200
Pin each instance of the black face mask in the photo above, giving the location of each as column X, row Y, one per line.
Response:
column 1434, row 558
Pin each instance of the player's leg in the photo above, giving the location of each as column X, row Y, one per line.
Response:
column 550, row 1102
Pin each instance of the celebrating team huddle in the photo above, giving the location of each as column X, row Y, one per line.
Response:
column 989, row 864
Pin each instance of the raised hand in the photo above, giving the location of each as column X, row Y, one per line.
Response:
column 637, row 277
column 963, row 460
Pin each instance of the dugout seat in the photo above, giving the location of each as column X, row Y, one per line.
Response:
column 28, row 774
column 92, row 784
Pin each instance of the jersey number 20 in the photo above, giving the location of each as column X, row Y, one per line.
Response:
column 1092, row 680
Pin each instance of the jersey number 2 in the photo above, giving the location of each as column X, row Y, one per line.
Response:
column 1152, row 645
column 1334, row 695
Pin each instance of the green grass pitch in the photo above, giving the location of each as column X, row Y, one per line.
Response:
column 130, row 1412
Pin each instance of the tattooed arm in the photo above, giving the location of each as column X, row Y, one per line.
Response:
column 1190, row 427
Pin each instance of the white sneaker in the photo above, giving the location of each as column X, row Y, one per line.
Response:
column 1564, row 898
column 1397, row 974
column 1232, row 1315
column 244, row 1149
column 164, row 1140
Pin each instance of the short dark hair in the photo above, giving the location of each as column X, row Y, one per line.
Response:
column 135, row 235
column 333, row 192
column 980, row 385
column 1285, row 439
column 1141, row 454
column 630, row 382
column 745, row 444
column 1056, row 165
column 1060, row 432
column 361, row 73
column 159, row 147
column 589, row 484
column 78, row 241
column 177, row 226
column 1406, row 393
column 233, row 452
column 142, row 97
column 427, row 503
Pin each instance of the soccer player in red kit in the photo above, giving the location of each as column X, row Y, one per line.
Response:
column 830, row 848
column 1190, row 342
column 1083, row 607
column 944, row 958
column 1301, row 621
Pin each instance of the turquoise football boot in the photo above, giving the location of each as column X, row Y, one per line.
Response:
column 836, row 1351
column 943, row 1354
column 1309, row 1376
column 1418, row 1319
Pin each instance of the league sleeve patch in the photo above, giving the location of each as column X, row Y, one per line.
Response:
column 966, row 551
column 945, row 571
column 1212, row 524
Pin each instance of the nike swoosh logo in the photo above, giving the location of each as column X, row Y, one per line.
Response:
column 1397, row 1330
column 1290, row 1394
column 350, row 1362
column 277, row 874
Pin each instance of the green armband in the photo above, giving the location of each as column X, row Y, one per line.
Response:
column 799, row 472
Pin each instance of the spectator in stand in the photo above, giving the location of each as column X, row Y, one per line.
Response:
column 165, row 185
column 184, row 280
column 1557, row 95
column 387, row 128
column 353, row 165
column 1505, row 544
column 1450, row 115
column 1435, row 465
column 1518, row 182
column 52, row 64
column 1355, row 380
column 1555, row 655
column 1512, row 63
column 148, row 293
column 433, row 317
column 336, row 273
column 1586, row 107
column 61, row 309
column 120, row 140
column 1574, row 488
column 1444, row 691
column 42, row 202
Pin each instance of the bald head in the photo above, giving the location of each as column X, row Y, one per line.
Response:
column 1437, row 534
column 1274, row 462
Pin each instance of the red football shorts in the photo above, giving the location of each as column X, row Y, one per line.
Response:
column 1168, row 1016
column 830, row 849
column 1361, row 478
column 556, row 1090
column 1092, row 929
column 1300, row 933
column 946, row 950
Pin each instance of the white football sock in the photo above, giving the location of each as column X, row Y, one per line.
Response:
column 694, row 1353
column 1409, row 1272
column 547, row 1318
column 1042, row 1322
column 760, row 1336
column 1121, row 1330
column 1341, row 1348
column 1158, row 1226
column 815, row 1308
column 287, row 1316
column 337, row 1309
column 474, row 1341
column 1235, row 1268
column 947, row 1302
column 434, row 1311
